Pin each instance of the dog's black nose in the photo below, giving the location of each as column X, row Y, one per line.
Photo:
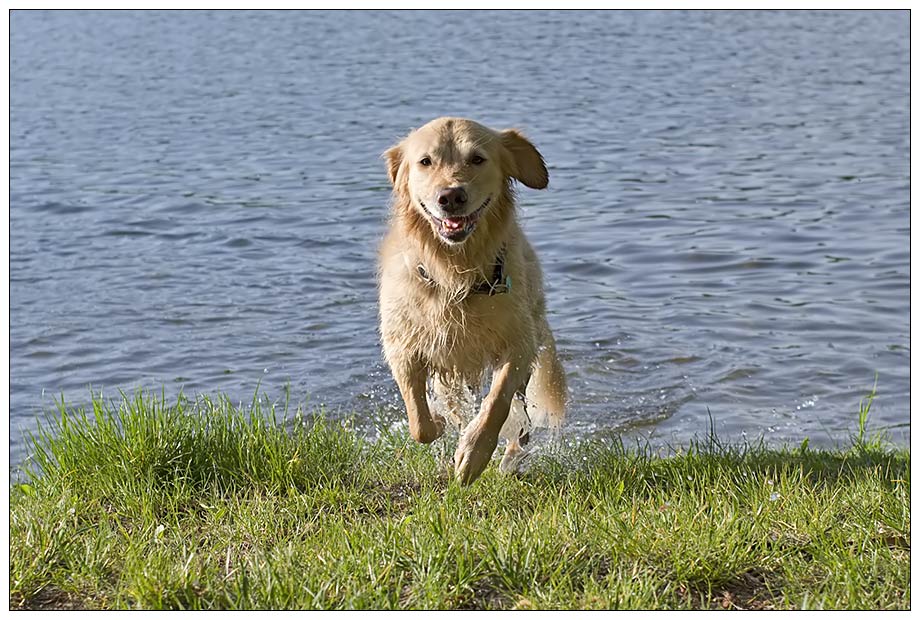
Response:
column 452, row 198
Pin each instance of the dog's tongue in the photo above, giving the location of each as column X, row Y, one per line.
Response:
column 454, row 223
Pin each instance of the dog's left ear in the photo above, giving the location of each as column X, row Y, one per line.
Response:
column 526, row 162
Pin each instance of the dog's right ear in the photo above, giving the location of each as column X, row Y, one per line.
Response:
column 394, row 159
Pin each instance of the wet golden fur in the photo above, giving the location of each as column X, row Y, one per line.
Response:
column 436, row 329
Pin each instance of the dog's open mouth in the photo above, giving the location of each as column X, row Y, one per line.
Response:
column 457, row 229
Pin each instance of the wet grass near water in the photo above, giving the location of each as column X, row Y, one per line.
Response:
column 140, row 503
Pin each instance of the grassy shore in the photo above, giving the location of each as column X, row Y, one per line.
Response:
column 145, row 504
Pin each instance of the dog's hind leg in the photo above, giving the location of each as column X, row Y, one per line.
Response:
column 453, row 399
column 546, row 391
column 540, row 403
column 516, row 432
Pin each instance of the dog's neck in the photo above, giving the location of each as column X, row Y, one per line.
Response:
column 460, row 267
column 499, row 282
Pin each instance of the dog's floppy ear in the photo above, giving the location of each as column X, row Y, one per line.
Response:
column 526, row 162
column 394, row 159
column 396, row 169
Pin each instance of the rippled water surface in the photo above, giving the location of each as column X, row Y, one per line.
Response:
column 196, row 200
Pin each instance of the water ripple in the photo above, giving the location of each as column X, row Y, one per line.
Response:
column 726, row 228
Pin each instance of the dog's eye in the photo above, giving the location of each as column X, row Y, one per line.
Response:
column 425, row 161
column 476, row 160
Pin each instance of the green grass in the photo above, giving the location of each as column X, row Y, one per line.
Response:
column 144, row 504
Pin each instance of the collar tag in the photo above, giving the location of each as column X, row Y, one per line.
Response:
column 423, row 274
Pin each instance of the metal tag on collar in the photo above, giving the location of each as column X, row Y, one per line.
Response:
column 499, row 288
column 423, row 274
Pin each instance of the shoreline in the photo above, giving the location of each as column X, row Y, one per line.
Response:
column 155, row 504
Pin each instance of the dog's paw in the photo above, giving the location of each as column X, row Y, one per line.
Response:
column 513, row 460
column 474, row 451
column 440, row 423
column 429, row 430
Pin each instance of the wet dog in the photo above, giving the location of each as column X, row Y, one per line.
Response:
column 461, row 290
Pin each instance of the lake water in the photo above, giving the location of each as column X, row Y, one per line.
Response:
column 196, row 200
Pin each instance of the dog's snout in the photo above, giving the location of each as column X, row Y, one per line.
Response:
column 452, row 198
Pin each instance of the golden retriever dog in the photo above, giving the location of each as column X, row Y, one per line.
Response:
column 461, row 291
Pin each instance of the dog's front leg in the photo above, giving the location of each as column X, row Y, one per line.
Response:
column 480, row 438
column 411, row 378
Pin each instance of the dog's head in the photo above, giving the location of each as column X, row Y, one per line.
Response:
column 453, row 170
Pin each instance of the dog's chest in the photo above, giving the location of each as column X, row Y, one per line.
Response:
column 466, row 334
